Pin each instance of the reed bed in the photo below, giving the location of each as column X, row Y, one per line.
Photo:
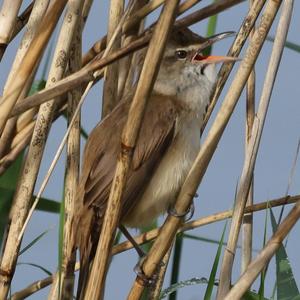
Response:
column 26, row 119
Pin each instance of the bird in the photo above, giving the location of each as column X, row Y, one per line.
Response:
column 167, row 144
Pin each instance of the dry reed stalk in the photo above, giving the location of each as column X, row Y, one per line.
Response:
column 263, row 258
column 31, row 289
column 150, row 7
column 23, row 194
column 22, row 138
column 256, row 132
column 156, row 290
column 126, row 65
column 247, row 226
column 154, row 55
column 63, row 285
column 199, row 15
column 206, row 12
column 84, row 75
column 35, row 18
column 234, row 51
column 206, row 152
column 9, row 12
column 220, row 216
column 29, row 61
column 22, row 20
column 151, row 235
column 111, row 74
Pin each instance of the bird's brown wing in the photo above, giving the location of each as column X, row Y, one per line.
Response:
column 103, row 148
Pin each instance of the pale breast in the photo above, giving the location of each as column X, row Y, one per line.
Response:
column 168, row 177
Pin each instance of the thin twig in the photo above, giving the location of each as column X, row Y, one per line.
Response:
column 247, row 226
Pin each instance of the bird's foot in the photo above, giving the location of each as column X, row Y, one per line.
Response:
column 148, row 281
column 187, row 215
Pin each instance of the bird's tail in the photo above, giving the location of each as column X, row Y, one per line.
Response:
column 85, row 246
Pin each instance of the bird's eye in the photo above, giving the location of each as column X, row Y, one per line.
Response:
column 181, row 54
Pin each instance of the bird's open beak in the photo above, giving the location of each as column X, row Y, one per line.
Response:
column 212, row 59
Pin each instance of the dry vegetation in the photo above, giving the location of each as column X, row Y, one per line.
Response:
column 25, row 121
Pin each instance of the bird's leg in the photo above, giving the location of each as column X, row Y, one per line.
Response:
column 147, row 281
column 190, row 211
column 187, row 215
column 135, row 245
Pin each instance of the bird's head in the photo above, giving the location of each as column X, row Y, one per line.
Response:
column 184, row 66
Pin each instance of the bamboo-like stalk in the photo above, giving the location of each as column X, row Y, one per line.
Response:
column 23, row 194
column 263, row 258
column 9, row 12
column 206, row 152
column 154, row 55
column 256, row 132
column 22, row 139
column 22, row 20
column 234, row 50
column 247, row 226
column 156, row 290
column 150, row 7
column 126, row 65
column 206, row 12
column 152, row 234
column 78, row 78
column 110, row 86
column 31, row 289
column 63, row 285
column 29, row 61
column 36, row 16
column 199, row 15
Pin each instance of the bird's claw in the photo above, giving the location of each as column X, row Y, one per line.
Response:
column 187, row 214
column 146, row 280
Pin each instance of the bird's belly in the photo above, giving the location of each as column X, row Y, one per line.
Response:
column 167, row 179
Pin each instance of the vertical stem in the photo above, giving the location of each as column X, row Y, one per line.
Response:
column 176, row 263
column 9, row 12
column 63, row 284
column 37, row 14
column 30, row 60
column 110, row 87
column 126, row 63
column 155, row 292
column 248, row 218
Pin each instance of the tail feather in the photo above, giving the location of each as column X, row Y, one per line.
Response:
column 85, row 245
